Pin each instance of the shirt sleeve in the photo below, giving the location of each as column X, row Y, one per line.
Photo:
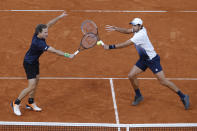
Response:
column 137, row 39
column 43, row 46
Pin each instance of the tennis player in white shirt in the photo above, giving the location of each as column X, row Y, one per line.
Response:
column 148, row 59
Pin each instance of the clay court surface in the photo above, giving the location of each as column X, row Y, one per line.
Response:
column 172, row 33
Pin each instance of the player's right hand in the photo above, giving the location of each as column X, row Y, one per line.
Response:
column 106, row 47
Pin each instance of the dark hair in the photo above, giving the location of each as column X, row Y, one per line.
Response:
column 39, row 28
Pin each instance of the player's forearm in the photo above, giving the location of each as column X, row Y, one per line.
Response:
column 122, row 30
column 120, row 45
column 53, row 21
column 58, row 52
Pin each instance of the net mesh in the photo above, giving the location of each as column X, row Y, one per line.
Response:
column 89, row 40
column 89, row 26
column 56, row 128
column 41, row 126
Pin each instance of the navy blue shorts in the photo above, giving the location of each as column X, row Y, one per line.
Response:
column 154, row 64
column 31, row 70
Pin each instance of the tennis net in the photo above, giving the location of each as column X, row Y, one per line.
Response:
column 52, row 126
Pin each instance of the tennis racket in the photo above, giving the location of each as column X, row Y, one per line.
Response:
column 89, row 26
column 88, row 40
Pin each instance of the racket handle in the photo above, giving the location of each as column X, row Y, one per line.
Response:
column 76, row 52
column 102, row 43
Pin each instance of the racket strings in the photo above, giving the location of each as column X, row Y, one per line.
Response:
column 89, row 40
column 89, row 27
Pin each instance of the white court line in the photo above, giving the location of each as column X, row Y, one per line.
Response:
column 114, row 101
column 20, row 123
column 31, row 10
column 106, row 11
column 121, row 11
column 91, row 78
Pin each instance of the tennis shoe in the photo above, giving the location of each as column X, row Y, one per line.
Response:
column 185, row 101
column 33, row 107
column 16, row 108
column 137, row 100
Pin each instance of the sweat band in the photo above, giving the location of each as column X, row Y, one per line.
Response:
column 112, row 46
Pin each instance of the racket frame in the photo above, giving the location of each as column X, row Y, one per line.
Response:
column 82, row 47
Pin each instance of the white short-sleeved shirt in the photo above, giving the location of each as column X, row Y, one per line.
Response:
column 143, row 45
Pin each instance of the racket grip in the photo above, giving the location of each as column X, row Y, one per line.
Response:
column 76, row 52
column 102, row 43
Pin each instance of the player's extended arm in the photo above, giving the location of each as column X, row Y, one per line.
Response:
column 118, row 46
column 118, row 29
column 53, row 21
column 59, row 52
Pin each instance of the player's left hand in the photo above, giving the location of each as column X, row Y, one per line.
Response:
column 72, row 56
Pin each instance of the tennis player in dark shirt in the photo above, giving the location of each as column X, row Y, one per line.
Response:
column 31, row 64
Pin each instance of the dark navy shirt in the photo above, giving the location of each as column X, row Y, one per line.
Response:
column 38, row 46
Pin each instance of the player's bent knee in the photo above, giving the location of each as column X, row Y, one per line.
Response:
column 32, row 86
column 131, row 76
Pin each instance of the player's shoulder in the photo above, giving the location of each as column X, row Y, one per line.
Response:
column 38, row 42
column 142, row 32
column 139, row 33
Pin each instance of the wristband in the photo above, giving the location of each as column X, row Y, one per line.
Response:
column 66, row 54
column 112, row 46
